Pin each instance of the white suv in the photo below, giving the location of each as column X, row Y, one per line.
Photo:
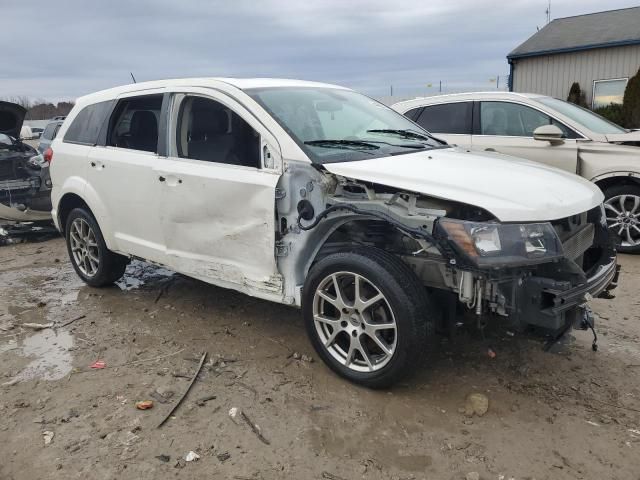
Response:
column 315, row 196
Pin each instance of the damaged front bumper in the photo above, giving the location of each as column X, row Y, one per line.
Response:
column 555, row 304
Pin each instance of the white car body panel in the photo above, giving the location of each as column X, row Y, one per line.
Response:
column 511, row 189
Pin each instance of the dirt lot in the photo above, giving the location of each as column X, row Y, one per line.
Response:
column 569, row 413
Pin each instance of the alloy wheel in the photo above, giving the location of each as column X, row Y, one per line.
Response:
column 354, row 321
column 84, row 247
column 623, row 218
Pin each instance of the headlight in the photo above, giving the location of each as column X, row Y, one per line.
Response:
column 497, row 244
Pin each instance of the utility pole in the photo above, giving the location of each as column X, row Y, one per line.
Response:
column 440, row 86
column 391, row 90
column 548, row 12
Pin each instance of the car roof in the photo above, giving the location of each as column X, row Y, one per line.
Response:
column 240, row 83
column 461, row 97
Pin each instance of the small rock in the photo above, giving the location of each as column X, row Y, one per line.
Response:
column 144, row 405
column 163, row 458
column 223, row 457
column 48, row 437
column 192, row 456
column 472, row 476
column 476, row 404
column 307, row 358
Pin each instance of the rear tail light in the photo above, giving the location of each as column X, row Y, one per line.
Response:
column 48, row 155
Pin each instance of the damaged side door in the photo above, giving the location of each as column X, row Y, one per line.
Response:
column 217, row 193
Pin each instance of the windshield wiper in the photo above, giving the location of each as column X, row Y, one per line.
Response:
column 342, row 144
column 404, row 133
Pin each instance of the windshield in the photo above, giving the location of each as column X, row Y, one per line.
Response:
column 582, row 116
column 335, row 125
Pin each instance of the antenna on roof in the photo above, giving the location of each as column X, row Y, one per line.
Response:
column 132, row 77
column 548, row 12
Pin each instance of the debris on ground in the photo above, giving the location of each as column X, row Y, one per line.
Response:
column 38, row 326
column 238, row 416
column 472, row 476
column 144, row 405
column 48, row 437
column 476, row 404
column 331, row 476
column 163, row 458
column 26, row 232
column 195, row 376
column 98, row 364
column 192, row 456
column 201, row 401
column 161, row 395
column 302, row 357
column 11, row 382
column 491, row 353
column 224, row 456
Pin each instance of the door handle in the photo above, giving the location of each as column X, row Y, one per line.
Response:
column 93, row 164
column 161, row 178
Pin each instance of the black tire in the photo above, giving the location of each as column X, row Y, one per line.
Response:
column 612, row 194
column 405, row 296
column 110, row 266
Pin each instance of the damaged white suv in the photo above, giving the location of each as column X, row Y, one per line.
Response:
column 315, row 196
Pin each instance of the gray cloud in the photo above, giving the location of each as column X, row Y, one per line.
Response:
column 68, row 48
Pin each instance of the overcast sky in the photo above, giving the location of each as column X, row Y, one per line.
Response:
column 62, row 49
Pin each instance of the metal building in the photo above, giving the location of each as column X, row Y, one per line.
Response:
column 600, row 51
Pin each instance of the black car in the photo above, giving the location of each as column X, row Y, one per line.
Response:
column 25, row 185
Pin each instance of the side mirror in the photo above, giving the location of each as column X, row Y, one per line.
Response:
column 549, row 133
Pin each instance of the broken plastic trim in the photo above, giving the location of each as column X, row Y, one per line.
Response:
column 414, row 232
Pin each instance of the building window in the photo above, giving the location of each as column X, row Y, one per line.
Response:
column 606, row 92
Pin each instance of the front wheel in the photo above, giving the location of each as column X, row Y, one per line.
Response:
column 622, row 207
column 368, row 316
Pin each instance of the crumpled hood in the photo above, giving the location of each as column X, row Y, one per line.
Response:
column 513, row 190
column 633, row 136
column 11, row 118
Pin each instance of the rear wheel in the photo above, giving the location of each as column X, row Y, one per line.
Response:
column 368, row 316
column 622, row 207
column 89, row 255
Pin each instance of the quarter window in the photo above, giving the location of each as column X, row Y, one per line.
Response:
column 515, row 120
column 209, row 131
column 452, row 118
column 86, row 127
column 134, row 123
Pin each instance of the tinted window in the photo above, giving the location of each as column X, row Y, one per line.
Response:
column 86, row 127
column 134, row 123
column 582, row 116
column 413, row 114
column 515, row 120
column 209, row 131
column 447, row 118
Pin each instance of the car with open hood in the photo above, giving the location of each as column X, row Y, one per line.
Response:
column 315, row 196
column 25, row 185
column 549, row 131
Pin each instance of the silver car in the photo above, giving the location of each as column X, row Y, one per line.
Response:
column 545, row 130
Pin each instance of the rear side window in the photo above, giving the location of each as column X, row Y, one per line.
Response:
column 86, row 127
column 447, row 118
column 134, row 123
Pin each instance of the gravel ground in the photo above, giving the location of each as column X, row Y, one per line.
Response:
column 564, row 414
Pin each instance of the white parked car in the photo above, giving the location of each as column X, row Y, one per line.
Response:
column 546, row 130
column 315, row 196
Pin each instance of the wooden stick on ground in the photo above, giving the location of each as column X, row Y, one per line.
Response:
column 204, row 356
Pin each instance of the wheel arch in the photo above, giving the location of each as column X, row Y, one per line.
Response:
column 607, row 180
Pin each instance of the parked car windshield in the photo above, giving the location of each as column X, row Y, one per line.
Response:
column 590, row 120
column 5, row 140
column 335, row 125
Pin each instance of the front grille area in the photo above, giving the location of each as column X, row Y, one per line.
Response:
column 579, row 242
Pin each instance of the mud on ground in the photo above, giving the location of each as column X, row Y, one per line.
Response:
column 569, row 413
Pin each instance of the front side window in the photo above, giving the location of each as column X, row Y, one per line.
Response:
column 606, row 92
column 335, row 125
column 514, row 120
column 452, row 118
column 582, row 116
column 209, row 131
column 86, row 126
column 134, row 123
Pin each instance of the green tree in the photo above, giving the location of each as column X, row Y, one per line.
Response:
column 576, row 95
column 631, row 103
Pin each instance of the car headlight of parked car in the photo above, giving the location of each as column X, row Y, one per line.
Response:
column 496, row 244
